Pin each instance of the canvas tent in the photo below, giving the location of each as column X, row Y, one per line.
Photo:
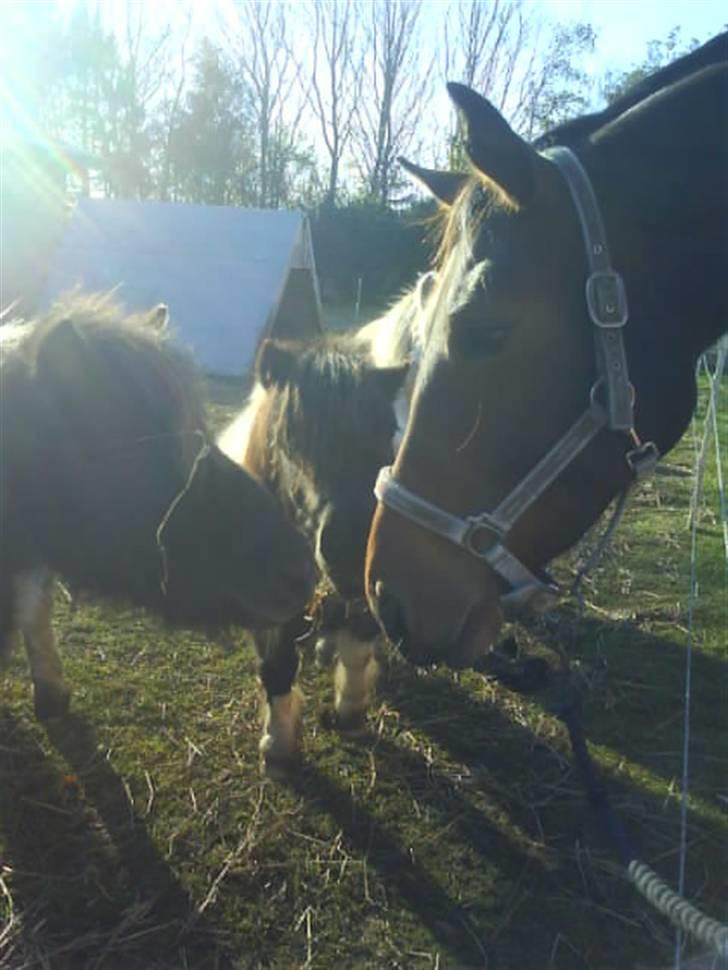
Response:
column 229, row 275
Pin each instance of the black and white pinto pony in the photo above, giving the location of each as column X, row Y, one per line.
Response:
column 108, row 479
column 321, row 418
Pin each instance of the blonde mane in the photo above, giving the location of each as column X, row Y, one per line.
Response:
column 394, row 338
column 234, row 437
column 456, row 272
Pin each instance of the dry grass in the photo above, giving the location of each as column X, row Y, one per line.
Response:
column 138, row 834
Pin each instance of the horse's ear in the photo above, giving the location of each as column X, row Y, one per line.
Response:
column 445, row 186
column 389, row 380
column 275, row 363
column 61, row 351
column 494, row 148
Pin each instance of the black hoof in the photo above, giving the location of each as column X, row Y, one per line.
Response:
column 51, row 701
column 509, row 648
column 279, row 769
column 352, row 725
column 536, row 674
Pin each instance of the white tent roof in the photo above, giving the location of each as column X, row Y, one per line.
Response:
column 221, row 270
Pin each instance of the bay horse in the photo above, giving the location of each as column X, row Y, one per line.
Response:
column 321, row 419
column 108, row 479
column 534, row 403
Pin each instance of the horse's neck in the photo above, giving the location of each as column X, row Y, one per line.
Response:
column 571, row 133
column 660, row 174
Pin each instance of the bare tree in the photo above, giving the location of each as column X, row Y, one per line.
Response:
column 393, row 93
column 491, row 46
column 171, row 109
column 522, row 65
column 485, row 41
column 557, row 89
column 263, row 52
column 143, row 71
column 335, row 79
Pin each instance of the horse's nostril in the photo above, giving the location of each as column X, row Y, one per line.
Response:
column 389, row 613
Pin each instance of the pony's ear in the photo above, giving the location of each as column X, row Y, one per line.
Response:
column 61, row 352
column 494, row 148
column 159, row 317
column 389, row 380
column 275, row 363
column 445, row 186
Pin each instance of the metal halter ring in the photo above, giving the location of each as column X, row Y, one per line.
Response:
column 481, row 537
column 594, row 403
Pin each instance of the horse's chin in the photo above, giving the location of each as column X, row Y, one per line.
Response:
column 472, row 643
column 477, row 637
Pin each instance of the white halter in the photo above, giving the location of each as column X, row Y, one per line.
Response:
column 484, row 534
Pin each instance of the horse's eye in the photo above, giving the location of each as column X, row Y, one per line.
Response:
column 475, row 336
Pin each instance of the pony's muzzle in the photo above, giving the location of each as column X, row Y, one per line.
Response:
column 297, row 575
column 389, row 613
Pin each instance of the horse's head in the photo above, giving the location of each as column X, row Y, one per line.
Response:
column 323, row 432
column 136, row 502
column 507, row 369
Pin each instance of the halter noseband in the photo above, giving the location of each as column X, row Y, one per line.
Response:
column 483, row 534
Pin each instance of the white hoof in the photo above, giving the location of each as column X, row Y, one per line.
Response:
column 325, row 651
column 354, row 682
column 281, row 738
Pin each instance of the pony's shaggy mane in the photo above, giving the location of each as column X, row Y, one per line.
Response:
column 329, row 379
column 134, row 346
column 390, row 340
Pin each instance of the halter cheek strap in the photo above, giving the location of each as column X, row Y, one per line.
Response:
column 484, row 534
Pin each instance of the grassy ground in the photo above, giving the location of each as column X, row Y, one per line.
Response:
column 138, row 834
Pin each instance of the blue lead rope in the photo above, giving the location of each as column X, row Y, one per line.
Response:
column 679, row 911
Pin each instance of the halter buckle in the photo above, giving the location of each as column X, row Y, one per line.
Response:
column 481, row 536
column 643, row 458
column 606, row 299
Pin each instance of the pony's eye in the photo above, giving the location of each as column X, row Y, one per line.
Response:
column 472, row 335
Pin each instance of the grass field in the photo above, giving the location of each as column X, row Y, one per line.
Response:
column 138, row 834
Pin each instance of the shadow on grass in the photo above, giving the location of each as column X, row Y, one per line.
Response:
column 87, row 881
column 536, row 789
column 632, row 684
column 637, row 704
column 446, row 920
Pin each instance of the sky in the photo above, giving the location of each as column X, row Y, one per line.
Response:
column 625, row 27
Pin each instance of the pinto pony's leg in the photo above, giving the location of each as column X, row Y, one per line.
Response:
column 33, row 612
column 8, row 626
column 277, row 667
column 354, row 680
column 325, row 649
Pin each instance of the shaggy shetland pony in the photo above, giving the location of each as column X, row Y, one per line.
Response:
column 321, row 419
column 108, row 479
